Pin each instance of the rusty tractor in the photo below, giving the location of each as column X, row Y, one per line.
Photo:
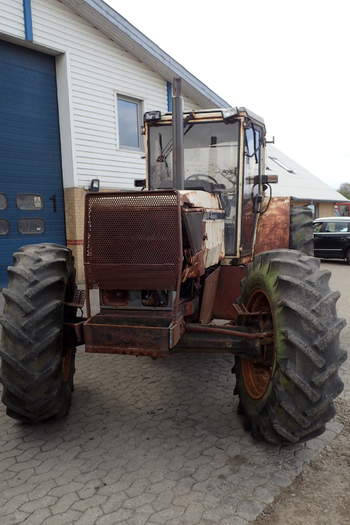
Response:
column 198, row 258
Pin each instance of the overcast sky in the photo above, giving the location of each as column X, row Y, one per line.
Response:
column 286, row 60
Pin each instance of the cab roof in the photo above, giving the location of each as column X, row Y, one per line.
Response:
column 219, row 113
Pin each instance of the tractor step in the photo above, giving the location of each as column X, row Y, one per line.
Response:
column 136, row 336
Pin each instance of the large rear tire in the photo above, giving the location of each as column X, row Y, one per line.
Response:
column 36, row 370
column 289, row 397
column 301, row 235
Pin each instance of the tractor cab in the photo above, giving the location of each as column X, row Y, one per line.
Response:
column 223, row 155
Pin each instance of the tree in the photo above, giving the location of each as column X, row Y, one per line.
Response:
column 345, row 189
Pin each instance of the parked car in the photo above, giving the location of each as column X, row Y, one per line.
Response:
column 332, row 238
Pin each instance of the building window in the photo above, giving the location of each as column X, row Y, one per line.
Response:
column 3, row 201
column 129, row 122
column 27, row 201
column 4, row 227
column 31, row 226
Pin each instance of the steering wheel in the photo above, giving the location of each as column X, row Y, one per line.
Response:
column 199, row 176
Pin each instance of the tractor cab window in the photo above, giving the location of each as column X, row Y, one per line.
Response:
column 211, row 164
column 252, row 162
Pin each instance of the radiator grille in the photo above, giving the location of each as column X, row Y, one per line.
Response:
column 133, row 240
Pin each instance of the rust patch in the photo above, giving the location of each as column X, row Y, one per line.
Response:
column 273, row 226
column 131, row 335
column 195, row 266
column 210, row 287
column 228, row 291
column 212, row 329
column 124, row 351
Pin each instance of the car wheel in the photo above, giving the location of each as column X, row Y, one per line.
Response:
column 347, row 257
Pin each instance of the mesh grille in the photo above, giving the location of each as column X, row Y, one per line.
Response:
column 131, row 237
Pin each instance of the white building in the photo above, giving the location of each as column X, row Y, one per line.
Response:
column 104, row 74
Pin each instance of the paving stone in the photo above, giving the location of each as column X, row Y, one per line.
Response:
column 138, row 519
column 42, row 489
column 89, row 517
column 66, row 489
column 163, row 500
column 28, row 454
column 137, row 488
column 39, row 503
column 19, row 478
column 38, row 517
column 139, row 501
column 94, row 501
column 236, row 520
column 157, row 488
column 7, row 463
column 13, row 504
column 64, row 503
column 266, row 495
column 67, row 517
column 167, row 514
column 249, row 509
column 114, row 502
column 120, row 515
column 13, row 518
column 193, row 514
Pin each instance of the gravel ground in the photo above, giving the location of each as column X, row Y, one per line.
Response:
column 159, row 442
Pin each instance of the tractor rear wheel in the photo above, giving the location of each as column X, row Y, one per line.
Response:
column 36, row 370
column 287, row 396
column 301, row 229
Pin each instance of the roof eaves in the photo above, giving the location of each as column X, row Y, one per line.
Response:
column 143, row 42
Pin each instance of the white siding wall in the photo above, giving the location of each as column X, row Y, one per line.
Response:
column 98, row 70
column 11, row 18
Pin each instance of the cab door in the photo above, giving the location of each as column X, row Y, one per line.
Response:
column 252, row 168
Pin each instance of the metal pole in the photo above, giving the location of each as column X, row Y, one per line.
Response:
column 178, row 136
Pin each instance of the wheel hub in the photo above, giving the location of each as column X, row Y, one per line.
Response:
column 257, row 375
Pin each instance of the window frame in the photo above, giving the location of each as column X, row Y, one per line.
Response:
column 139, row 104
column 8, row 227
column 6, row 201
column 336, row 232
column 39, row 219
column 18, row 195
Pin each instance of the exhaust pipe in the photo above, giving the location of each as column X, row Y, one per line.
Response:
column 178, row 136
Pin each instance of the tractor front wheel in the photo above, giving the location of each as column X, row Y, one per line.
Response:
column 287, row 395
column 36, row 370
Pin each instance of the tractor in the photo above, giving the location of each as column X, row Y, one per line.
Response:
column 198, row 258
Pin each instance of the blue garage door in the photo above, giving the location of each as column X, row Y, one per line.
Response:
column 31, row 192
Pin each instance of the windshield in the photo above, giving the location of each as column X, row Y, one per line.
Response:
column 211, row 153
column 211, row 164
